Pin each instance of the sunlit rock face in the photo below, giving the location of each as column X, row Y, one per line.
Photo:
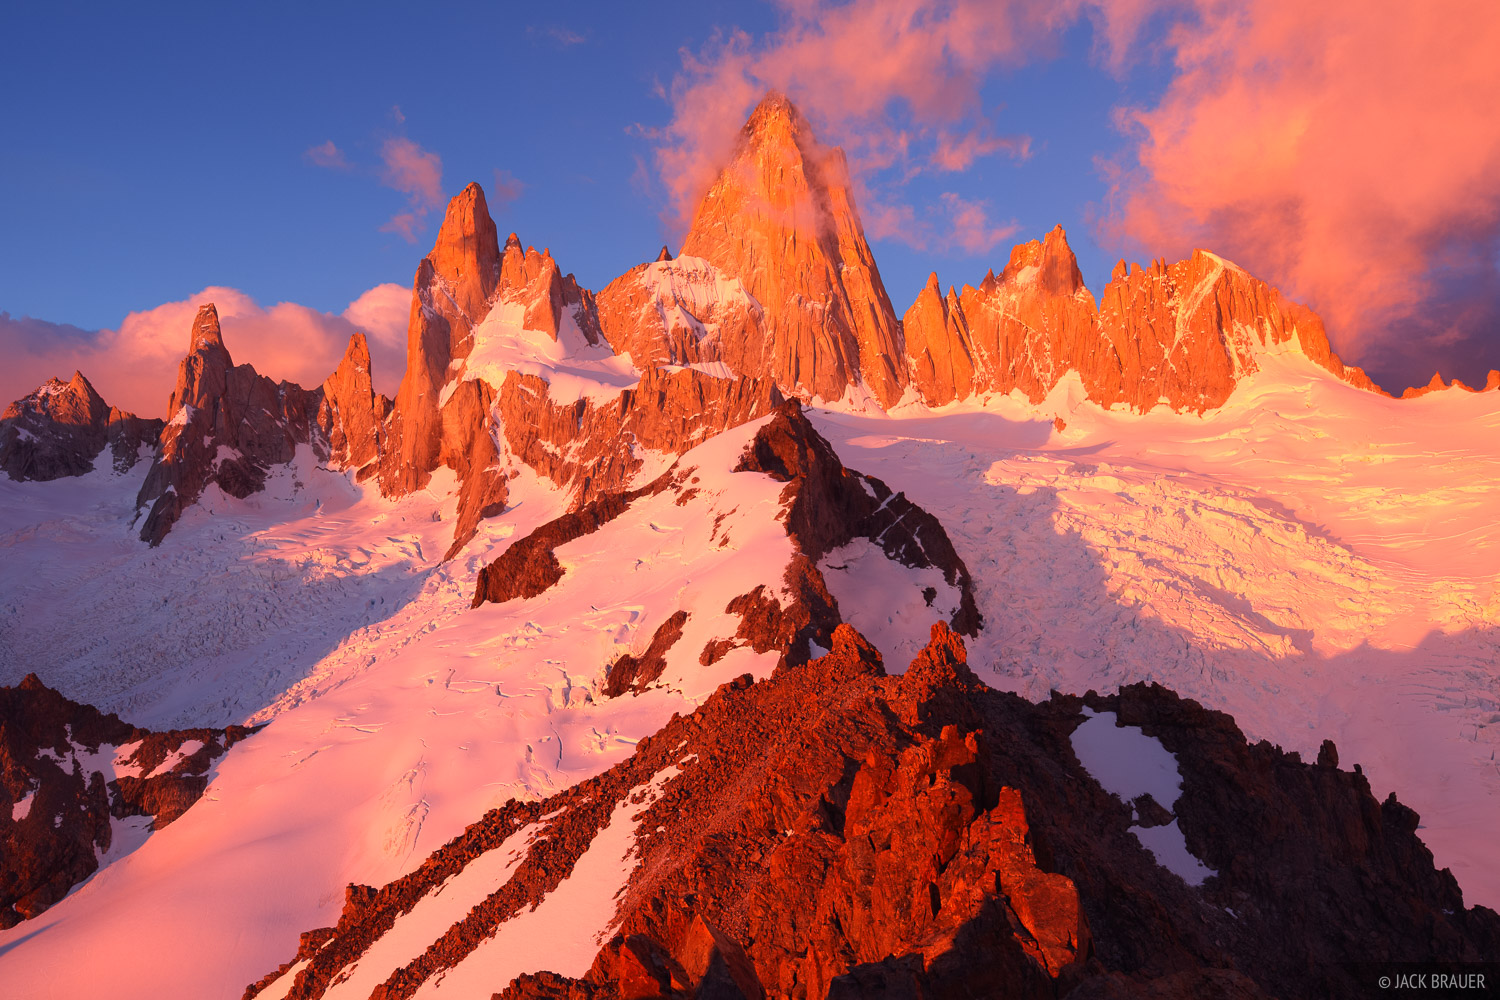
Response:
column 454, row 286
column 1181, row 335
column 781, row 218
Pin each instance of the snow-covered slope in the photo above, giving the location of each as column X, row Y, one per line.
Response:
column 1317, row 560
column 390, row 729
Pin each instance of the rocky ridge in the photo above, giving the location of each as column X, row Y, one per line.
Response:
column 824, row 507
column 61, row 428
column 836, row 832
column 775, row 293
column 68, row 774
column 1180, row 335
column 230, row 424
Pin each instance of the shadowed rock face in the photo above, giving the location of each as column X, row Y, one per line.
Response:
column 230, row 424
column 835, row 832
column 66, row 770
column 61, row 429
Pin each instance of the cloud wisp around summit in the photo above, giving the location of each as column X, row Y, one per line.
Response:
column 1346, row 152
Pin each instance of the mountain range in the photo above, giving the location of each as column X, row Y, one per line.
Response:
column 591, row 666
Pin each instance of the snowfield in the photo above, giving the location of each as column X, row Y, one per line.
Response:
column 1317, row 560
column 387, row 739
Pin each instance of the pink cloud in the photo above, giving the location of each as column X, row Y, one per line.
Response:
column 956, row 153
column 969, row 225
column 327, row 155
column 952, row 226
column 506, row 189
column 848, row 65
column 135, row 365
column 1348, row 152
column 416, row 173
column 404, row 224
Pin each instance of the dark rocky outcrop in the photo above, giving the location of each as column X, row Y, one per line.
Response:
column 826, row 506
column 230, row 424
column 59, row 788
column 633, row 673
column 528, row 566
column 61, row 428
column 835, row 832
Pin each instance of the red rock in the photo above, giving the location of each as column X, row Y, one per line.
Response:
column 1436, row 384
column 351, row 414
column 230, row 424
column 832, row 832
column 61, row 428
column 680, row 311
column 781, row 218
column 451, row 294
column 52, row 843
column 938, row 347
column 1180, row 335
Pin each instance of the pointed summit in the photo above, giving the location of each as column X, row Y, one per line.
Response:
column 206, row 334
column 939, row 350
column 1049, row 261
column 60, row 429
column 350, row 413
column 450, row 295
column 466, row 254
column 203, row 373
column 781, row 218
column 664, row 255
column 228, row 425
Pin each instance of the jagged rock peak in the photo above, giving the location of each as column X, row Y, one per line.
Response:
column 781, row 218
column 203, row 371
column 1435, row 384
column 1055, row 266
column 206, row 334
column 664, row 255
column 776, row 112
column 229, row 425
column 60, row 428
column 466, row 254
column 1181, row 334
column 350, row 413
column 74, row 401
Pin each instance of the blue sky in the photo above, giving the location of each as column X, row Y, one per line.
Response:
column 150, row 154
